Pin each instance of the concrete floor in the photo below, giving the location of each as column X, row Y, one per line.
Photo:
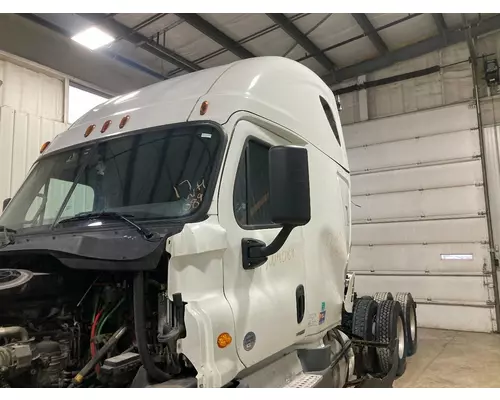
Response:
column 453, row 359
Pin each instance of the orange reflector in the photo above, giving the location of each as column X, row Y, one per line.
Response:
column 124, row 121
column 89, row 130
column 44, row 146
column 224, row 340
column 105, row 126
column 204, row 108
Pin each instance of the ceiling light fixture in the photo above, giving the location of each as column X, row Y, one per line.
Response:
column 93, row 38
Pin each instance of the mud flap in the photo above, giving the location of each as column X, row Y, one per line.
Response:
column 386, row 381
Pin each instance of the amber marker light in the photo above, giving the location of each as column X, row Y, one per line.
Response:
column 124, row 121
column 89, row 130
column 204, row 108
column 224, row 340
column 44, row 147
column 106, row 126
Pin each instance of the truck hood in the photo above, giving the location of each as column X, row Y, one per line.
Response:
column 112, row 250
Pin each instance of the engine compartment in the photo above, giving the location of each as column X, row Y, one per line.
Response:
column 78, row 328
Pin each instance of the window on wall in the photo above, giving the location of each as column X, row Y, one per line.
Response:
column 251, row 191
column 330, row 118
column 80, row 102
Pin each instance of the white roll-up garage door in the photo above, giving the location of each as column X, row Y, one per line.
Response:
column 419, row 220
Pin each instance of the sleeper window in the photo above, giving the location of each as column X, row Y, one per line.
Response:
column 251, row 191
column 330, row 118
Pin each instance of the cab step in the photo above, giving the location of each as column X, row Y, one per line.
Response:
column 303, row 380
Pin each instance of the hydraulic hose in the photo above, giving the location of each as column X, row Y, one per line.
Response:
column 152, row 370
column 100, row 354
column 101, row 325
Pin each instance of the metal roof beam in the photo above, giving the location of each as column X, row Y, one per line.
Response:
column 302, row 40
column 147, row 22
column 441, row 25
column 365, row 24
column 412, row 51
column 120, row 30
column 216, row 35
column 143, row 24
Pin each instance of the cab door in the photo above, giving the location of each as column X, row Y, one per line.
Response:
column 268, row 302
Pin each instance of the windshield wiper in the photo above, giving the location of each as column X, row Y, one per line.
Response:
column 10, row 238
column 110, row 215
column 4, row 229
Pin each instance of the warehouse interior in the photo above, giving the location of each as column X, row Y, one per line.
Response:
column 419, row 102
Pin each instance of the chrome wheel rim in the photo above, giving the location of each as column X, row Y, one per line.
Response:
column 401, row 338
column 413, row 324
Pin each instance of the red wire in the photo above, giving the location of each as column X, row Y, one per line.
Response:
column 92, row 334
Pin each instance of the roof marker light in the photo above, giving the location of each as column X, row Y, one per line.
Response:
column 44, row 147
column 89, row 130
column 204, row 108
column 105, row 126
column 124, row 121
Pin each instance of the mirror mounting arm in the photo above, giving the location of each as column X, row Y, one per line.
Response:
column 255, row 252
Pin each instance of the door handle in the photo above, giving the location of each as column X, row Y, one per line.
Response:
column 300, row 298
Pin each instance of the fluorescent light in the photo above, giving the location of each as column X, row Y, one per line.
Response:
column 457, row 257
column 93, row 38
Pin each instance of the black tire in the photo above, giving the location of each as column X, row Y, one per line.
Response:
column 365, row 312
column 381, row 296
column 361, row 298
column 386, row 330
column 409, row 308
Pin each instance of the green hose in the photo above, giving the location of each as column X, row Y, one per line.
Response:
column 101, row 325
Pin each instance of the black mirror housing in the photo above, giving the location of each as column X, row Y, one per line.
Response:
column 290, row 201
column 289, row 185
column 5, row 203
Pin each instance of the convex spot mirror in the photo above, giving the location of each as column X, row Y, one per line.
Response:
column 289, row 185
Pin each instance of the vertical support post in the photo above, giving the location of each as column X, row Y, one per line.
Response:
column 362, row 100
column 66, row 102
column 493, row 259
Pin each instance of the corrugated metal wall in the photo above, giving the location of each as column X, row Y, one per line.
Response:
column 32, row 111
column 419, row 220
column 417, row 179
column 451, row 85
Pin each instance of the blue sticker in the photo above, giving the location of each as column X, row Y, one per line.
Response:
column 322, row 316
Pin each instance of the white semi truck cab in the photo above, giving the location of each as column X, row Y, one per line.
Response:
column 195, row 233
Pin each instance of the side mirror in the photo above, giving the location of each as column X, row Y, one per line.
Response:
column 289, row 199
column 5, row 203
column 289, row 185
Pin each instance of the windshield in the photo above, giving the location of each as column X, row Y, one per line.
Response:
column 157, row 174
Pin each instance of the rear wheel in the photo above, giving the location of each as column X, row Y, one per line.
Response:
column 381, row 296
column 363, row 326
column 389, row 326
column 410, row 318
